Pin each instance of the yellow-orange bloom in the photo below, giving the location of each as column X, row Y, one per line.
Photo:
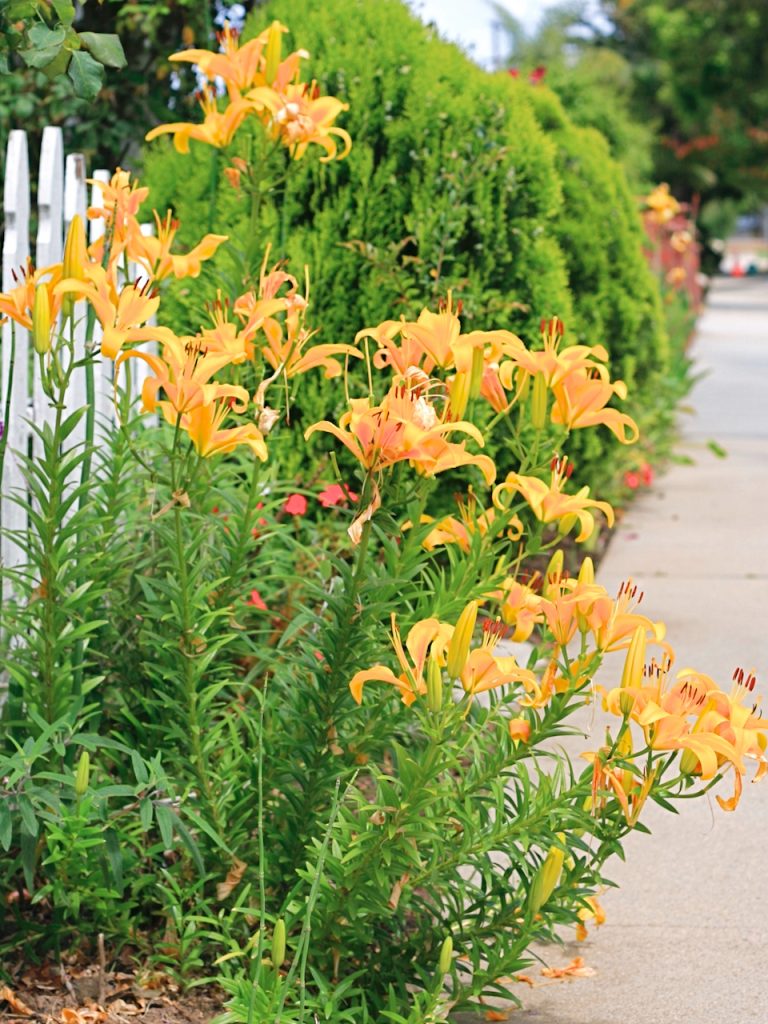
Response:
column 19, row 302
column 520, row 607
column 581, row 400
column 122, row 312
column 661, row 204
column 203, row 425
column 405, row 427
column 426, row 636
column 217, row 129
column 299, row 116
column 153, row 252
column 240, row 67
column 554, row 363
column 183, row 376
column 435, row 340
column 550, row 504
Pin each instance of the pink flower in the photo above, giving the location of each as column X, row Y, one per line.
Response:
column 537, row 74
column 646, row 472
column 256, row 600
column 296, row 505
column 632, row 480
column 513, row 72
column 336, row 494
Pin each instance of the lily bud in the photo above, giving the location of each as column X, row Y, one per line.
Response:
column 624, row 750
column 539, row 401
column 478, row 365
column 547, row 877
column 446, row 953
column 434, row 685
column 458, row 649
column 553, row 572
column 74, row 250
column 524, row 379
column 82, row 774
column 632, row 676
column 41, row 320
column 278, row 942
column 587, row 572
column 274, row 51
column 459, row 395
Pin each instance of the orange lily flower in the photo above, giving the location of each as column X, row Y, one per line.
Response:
column 520, row 607
column 435, row 340
column 555, row 365
column 121, row 313
column 183, row 373
column 581, row 399
column 153, row 252
column 613, row 621
column 203, row 422
column 424, row 637
column 298, row 116
column 450, row 530
column 483, row 670
column 218, row 127
column 662, row 204
column 241, row 67
column 405, row 427
column 18, row 303
column 550, row 503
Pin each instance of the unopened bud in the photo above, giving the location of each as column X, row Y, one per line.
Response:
column 553, row 573
column 274, row 51
column 446, row 954
column 74, row 250
column 547, row 877
column 459, row 395
column 478, row 365
column 587, row 572
column 278, row 942
column 632, row 676
column 458, row 649
column 83, row 773
column 539, row 401
column 41, row 320
column 434, row 685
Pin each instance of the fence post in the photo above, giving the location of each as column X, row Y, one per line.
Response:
column 15, row 371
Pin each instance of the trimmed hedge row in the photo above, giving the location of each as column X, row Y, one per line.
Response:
column 457, row 179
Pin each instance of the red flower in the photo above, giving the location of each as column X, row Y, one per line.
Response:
column 646, row 472
column 296, row 505
column 256, row 600
column 513, row 72
column 336, row 494
column 537, row 74
column 632, row 480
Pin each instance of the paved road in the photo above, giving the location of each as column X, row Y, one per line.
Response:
column 686, row 939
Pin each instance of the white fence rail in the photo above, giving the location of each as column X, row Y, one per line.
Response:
column 62, row 192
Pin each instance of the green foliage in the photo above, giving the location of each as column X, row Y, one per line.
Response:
column 43, row 36
column 700, row 73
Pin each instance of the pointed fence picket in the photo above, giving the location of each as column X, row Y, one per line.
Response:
column 62, row 193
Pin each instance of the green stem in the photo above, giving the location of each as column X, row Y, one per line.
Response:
column 213, row 187
column 189, row 676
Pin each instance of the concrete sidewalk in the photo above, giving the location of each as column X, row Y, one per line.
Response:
column 686, row 937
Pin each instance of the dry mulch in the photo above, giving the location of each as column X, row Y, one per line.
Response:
column 93, row 995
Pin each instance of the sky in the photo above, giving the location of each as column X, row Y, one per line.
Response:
column 468, row 22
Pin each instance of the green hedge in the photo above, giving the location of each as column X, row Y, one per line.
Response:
column 456, row 178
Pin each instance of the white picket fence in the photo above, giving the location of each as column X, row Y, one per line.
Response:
column 61, row 194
